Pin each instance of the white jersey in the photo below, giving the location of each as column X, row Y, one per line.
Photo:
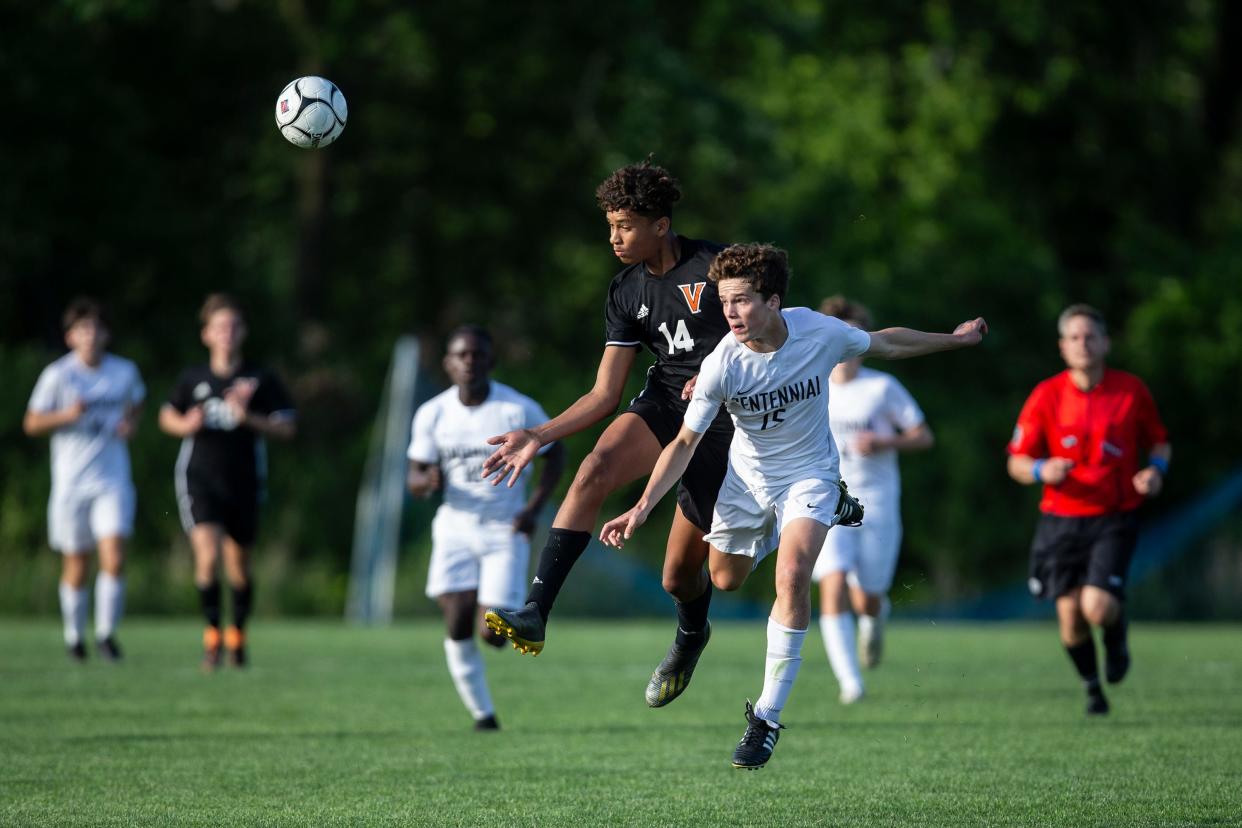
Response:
column 778, row 400
column 454, row 436
column 88, row 455
column 876, row 402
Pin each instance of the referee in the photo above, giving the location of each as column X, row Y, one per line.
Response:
column 1092, row 437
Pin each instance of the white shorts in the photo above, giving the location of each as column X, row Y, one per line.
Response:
column 868, row 553
column 749, row 523
column 484, row 555
column 77, row 521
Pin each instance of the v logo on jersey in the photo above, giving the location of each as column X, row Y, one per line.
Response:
column 693, row 294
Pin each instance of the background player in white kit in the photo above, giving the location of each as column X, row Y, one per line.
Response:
column 481, row 533
column 782, row 486
column 873, row 417
column 89, row 401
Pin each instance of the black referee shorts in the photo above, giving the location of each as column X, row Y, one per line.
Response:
column 1069, row 552
column 699, row 486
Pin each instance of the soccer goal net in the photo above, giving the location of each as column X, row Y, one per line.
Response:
column 381, row 497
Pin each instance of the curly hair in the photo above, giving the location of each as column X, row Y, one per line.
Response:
column 847, row 310
column 643, row 188
column 764, row 266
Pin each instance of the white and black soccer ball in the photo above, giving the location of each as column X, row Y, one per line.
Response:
column 311, row 112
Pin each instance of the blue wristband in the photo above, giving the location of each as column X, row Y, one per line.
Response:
column 1160, row 463
column 1036, row 468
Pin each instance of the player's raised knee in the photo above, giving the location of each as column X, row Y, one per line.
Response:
column 595, row 476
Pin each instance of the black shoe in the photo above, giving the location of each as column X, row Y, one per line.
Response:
column 487, row 723
column 1097, row 705
column 755, row 748
column 672, row 677
column 1117, row 663
column 524, row 627
column 849, row 511
column 108, row 649
column 77, row 652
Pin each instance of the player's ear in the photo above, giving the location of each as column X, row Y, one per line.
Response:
column 661, row 226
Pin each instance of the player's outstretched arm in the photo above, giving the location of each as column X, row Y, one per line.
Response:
column 516, row 449
column 903, row 343
column 669, row 468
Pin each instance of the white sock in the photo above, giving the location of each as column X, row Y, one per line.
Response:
column 73, row 605
column 780, row 670
column 109, row 604
column 465, row 664
column 838, row 631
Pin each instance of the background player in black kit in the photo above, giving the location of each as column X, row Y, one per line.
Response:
column 223, row 411
column 662, row 300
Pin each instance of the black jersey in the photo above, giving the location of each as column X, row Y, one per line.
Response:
column 678, row 316
column 223, row 451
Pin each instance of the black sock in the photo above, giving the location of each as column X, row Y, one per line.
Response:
column 241, row 605
column 209, row 599
column 559, row 555
column 1083, row 656
column 1115, row 635
column 692, row 616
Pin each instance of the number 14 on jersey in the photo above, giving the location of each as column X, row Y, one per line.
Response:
column 680, row 341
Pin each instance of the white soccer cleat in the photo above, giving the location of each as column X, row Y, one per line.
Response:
column 871, row 642
column 849, row 695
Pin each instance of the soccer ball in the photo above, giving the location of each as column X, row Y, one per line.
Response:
column 311, row 112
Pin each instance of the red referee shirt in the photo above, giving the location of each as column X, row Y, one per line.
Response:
column 1106, row 431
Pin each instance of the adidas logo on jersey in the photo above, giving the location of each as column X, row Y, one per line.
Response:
column 644, row 312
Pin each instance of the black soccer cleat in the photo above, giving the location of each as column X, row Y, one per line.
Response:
column 849, row 511
column 524, row 627
column 758, row 742
column 488, row 722
column 108, row 649
column 76, row 652
column 1116, row 663
column 672, row 677
column 1097, row 705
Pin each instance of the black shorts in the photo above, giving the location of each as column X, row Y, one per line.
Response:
column 699, row 486
column 236, row 508
column 1070, row 552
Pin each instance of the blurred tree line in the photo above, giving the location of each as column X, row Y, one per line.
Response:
column 935, row 160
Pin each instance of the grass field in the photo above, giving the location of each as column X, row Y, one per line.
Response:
column 337, row 726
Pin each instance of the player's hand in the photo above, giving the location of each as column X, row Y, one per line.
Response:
column 1148, row 482
column 867, row 442
column 971, row 333
column 237, row 397
column 193, row 420
column 688, row 391
column 524, row 522
column 517, row 449
column 620, row 529
column 74, row 411
column 126, row 427
column 1055, row 470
